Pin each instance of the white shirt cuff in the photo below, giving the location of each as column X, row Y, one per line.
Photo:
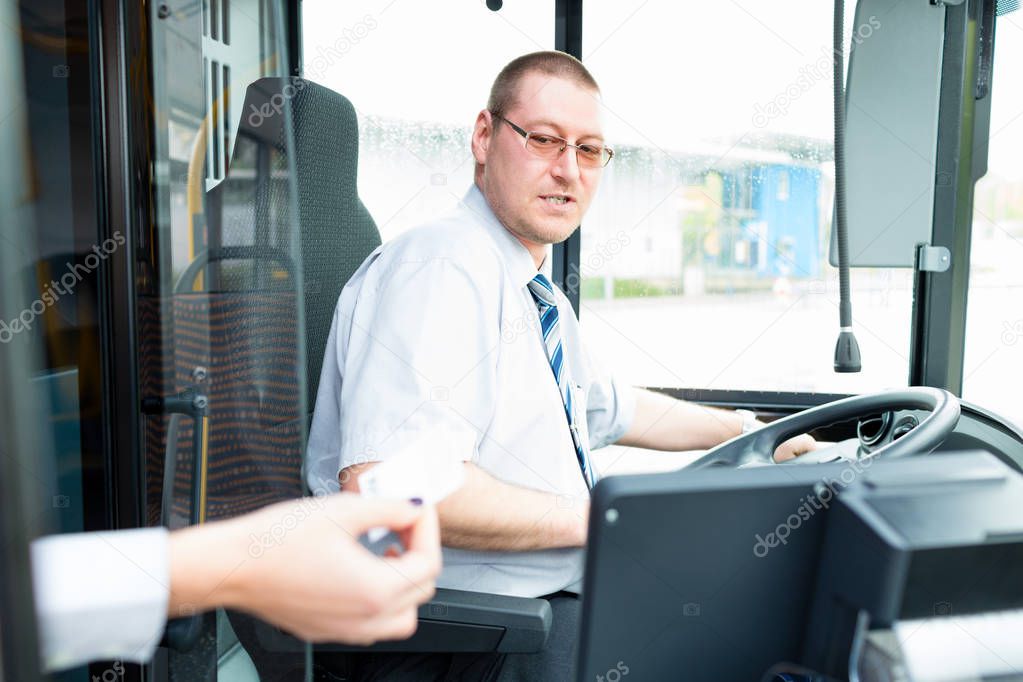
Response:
column 101, row 596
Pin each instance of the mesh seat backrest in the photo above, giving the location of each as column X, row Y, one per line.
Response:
column 337, row 230
column 244, row 326
column 337, row 233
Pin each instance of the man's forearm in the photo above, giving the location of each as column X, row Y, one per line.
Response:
column 488, row 514
column 665, row 423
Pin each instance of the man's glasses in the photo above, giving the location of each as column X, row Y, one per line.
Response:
column 550, row 147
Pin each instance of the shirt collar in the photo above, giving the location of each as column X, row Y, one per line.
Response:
column 516, row 256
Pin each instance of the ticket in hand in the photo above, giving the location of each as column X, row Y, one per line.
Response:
column 429, row 469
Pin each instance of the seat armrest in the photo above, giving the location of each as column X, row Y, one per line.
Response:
column 526, row 622
column 454, row 621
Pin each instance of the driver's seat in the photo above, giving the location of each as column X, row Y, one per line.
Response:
column 337, row 235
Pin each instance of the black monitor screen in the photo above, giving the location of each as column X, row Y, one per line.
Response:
column 702, row 575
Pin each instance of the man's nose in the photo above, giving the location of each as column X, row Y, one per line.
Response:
column 566, row 166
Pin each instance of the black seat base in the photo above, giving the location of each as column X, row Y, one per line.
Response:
column 454, row 621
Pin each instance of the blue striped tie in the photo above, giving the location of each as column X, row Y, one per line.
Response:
column 543, row 293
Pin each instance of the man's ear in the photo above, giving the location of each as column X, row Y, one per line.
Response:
column 482, row 134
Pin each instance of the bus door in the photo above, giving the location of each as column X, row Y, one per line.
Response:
column 218, row 309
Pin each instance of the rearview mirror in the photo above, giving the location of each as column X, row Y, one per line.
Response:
column 892, row 92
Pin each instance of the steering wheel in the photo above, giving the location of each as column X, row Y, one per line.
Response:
column 756, row 448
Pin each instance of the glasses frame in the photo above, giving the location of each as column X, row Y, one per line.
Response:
column 565, row 144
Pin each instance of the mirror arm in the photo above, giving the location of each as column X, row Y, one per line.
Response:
column 847, row 350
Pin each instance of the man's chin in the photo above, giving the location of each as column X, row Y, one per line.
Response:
column 555, row 234
column 547, row 233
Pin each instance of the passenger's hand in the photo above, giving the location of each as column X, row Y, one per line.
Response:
column 299, row 565
column 794, row 447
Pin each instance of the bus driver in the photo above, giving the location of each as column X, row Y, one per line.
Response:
column 455, row 326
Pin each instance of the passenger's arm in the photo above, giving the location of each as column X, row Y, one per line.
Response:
column 665, row 423
column 296, row 564
column 488, row 514
column 299, row 565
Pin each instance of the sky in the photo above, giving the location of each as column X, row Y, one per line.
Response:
column 674, row 73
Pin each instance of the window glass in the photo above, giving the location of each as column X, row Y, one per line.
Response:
column 416, row 111
column 704, row 256
column 994, row 320
column 219, row 309
column 57, row 255
column 52, row 260
column 27, row 475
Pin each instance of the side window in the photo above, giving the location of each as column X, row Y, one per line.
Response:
column 415, row 112
column 704, row 257
column 994, row 319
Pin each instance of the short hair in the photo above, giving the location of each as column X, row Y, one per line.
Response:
column 550, row 63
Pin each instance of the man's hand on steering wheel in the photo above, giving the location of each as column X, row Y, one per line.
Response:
column 753, row 447
column 794, row 447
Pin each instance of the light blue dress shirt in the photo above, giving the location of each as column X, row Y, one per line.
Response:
column 437, row 331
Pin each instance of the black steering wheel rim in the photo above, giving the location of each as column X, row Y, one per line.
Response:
column 757, row 447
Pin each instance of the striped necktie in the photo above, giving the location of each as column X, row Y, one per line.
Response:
column 543, row 293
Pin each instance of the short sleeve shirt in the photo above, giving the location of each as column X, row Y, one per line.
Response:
column 437, row 331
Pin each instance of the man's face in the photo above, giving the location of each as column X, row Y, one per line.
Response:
column 524, row 190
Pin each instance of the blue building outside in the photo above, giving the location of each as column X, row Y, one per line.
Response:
column 775, row 212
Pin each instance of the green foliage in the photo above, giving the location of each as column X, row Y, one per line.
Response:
column 592, row 287
column 633, row 288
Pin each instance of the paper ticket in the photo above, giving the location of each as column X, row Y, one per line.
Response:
column 429, row 468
